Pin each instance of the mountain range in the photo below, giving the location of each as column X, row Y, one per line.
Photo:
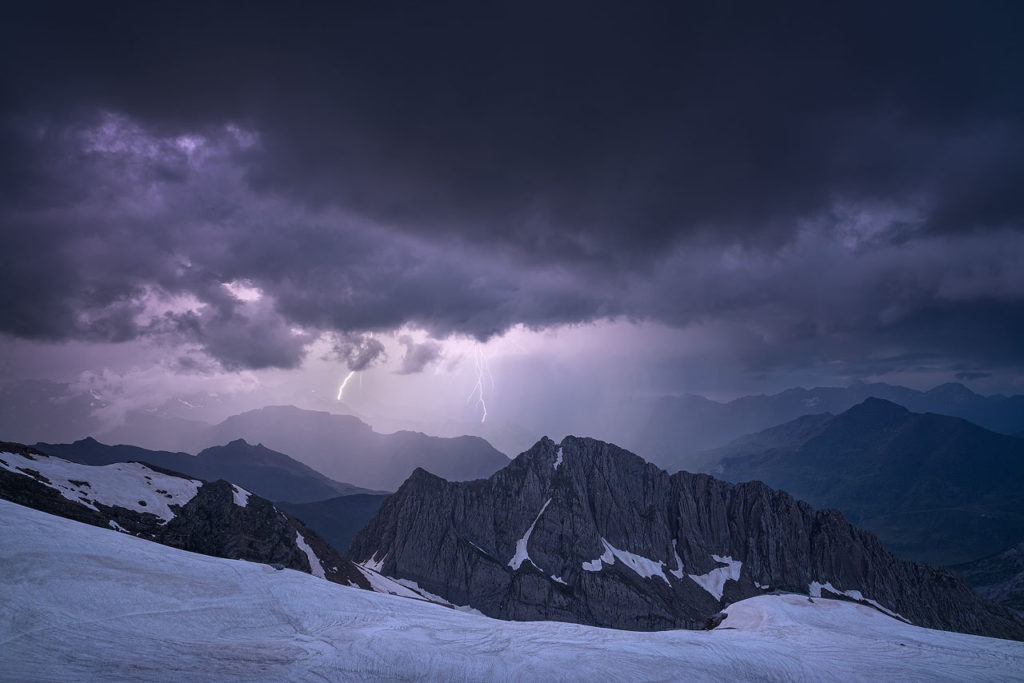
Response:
column 671, row 431
column 270, row 474
column 933, row 488
column 342, row 447
column 668, row 430
column 585, row 532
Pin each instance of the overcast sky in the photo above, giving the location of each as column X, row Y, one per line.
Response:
column 617, row 198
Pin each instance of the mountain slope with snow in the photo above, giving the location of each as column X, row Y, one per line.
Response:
column 214, row 518
column 136, row 610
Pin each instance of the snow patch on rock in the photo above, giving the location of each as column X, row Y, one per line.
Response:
column 241, row 496
column 521, row 552
column 714, row 581
column 558, row 458
column 314, row 562
column 373, row 564
column 645, row 567
column 678, row 571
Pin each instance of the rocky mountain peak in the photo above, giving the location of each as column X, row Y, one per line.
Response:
column 584, row 531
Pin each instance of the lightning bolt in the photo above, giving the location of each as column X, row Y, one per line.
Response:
column 341, row 389
column 483, row 372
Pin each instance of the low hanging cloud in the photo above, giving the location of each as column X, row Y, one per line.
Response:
column 418, row 356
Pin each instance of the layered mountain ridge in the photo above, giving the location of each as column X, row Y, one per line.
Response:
column 586, row 532
column 934, row 488
column 264, row 471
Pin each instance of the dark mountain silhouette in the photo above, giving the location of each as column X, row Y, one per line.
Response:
column 339, row 519
column 586, row 532
column 671, row 431
column 345, row 448
column 932, row 487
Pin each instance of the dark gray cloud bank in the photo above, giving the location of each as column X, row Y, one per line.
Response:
column 813, row 183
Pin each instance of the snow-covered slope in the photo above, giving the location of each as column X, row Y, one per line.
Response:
column 82, row 603
column 129, row 485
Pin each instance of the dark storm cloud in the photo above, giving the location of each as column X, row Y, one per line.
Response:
column 811, row 179
column 358, row 351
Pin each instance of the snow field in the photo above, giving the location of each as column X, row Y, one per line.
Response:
column 132, row 610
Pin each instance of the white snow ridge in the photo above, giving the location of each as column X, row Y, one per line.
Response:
column 136, row 610
column 129, row 485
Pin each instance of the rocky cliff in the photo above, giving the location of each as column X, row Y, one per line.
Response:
column 586, row 532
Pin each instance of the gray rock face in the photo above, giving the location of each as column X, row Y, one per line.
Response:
column 586, row 532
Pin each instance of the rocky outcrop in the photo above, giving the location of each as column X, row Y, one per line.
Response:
column 586, row 532
column 213, row 518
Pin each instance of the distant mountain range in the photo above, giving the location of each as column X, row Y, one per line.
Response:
column 347, row 449
column 667, row 430
column 267, row 473
column 585, row 532
column 671, row 431
column 342, row 447
column 933, row 488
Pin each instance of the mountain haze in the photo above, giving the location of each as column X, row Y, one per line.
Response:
column 933, row 488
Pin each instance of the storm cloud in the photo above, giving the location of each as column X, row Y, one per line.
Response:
column 811, row 183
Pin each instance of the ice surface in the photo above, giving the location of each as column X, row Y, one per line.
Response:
column 128, row 485
column 314, row 562
column 521, row 553
column 643, row 566
column 714, row 581
column 135, row 610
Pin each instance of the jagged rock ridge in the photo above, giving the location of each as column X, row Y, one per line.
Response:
column 586, row 532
